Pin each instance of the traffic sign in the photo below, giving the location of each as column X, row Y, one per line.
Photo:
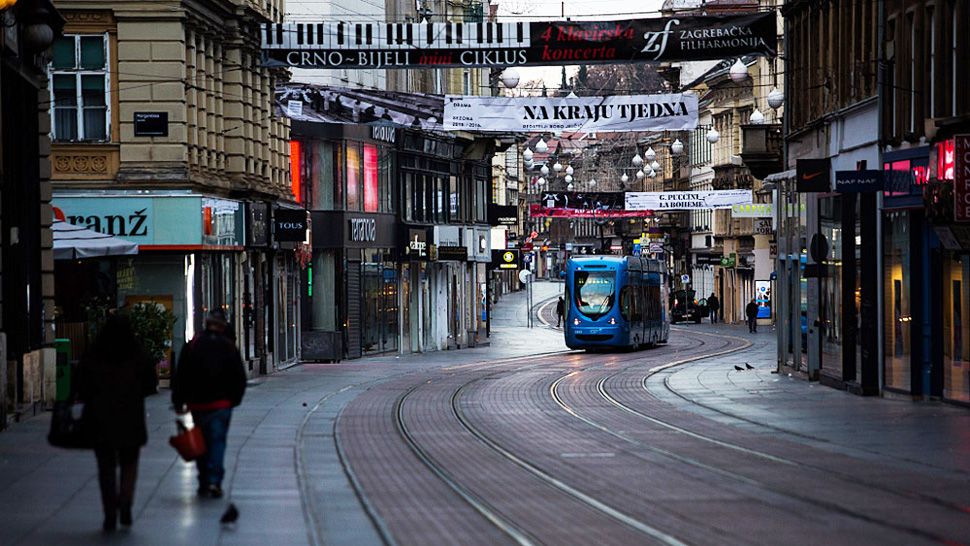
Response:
column 685, row 278
column 525, row 276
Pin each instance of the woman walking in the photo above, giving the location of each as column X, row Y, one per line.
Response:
column 114, row 379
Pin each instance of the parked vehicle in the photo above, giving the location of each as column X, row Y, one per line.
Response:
column 684, row 307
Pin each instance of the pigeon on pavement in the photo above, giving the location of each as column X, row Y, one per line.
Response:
column 748, row 366
column 739, row 368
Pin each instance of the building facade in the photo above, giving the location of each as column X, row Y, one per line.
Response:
column 164, row 133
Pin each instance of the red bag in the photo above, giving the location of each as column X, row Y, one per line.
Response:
column 189, row 442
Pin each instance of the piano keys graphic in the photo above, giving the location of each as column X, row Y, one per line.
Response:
column 394, row 36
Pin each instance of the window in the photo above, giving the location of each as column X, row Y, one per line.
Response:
column 466, row 83
column 931, row 24
column 953, row 61
column 353, row 176
column 913, row 36
column 79, row 88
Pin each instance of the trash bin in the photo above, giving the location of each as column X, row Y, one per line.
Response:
column 62, row 369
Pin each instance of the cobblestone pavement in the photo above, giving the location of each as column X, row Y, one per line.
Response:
column 611, row 448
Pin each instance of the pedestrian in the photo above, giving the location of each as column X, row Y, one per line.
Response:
column 210, row 380
column 560, row 311
column 752, row 313
column 713, row 306
column 113, row 380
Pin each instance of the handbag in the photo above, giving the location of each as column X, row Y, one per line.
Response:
column 189, row 441
column 68, row 428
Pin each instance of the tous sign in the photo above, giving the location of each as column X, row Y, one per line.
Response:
column 363, row 230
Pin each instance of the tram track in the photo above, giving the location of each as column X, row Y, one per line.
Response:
column 601, row 390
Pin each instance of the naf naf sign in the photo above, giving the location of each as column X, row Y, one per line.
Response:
column 289, row 226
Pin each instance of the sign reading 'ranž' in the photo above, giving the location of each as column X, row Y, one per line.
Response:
column 667, row 112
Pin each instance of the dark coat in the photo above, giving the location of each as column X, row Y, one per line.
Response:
column 560, row 307
column 113, row 383
column 209, row 369
column 751, row 310
column 713, row 304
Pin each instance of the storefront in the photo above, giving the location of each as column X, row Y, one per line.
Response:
column 191, row 248
column 415, row 315
column 354, row 252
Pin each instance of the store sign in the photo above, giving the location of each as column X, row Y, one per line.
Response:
column 503, row 215
column 961, row 178
column 686, row 200
column 384, row 133
column 763, row 226
column 377, row 45
column 290, row 225
column 668, row 112
column 417, row 244
column 362, row 230
column 858, row 181
column 707, row 259
column 151, row 124
column 813, row 175
column 753, row 210
column 132, row 219
column 451, row 254
column 507, row 260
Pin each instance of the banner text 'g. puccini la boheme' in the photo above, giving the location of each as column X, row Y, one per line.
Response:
column 334, row 44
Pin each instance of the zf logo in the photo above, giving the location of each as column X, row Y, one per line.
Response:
column 509, row 257
column 657, row 40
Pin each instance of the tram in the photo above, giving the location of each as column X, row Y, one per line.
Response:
column 615, row 302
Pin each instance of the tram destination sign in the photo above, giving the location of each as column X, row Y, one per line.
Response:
column 353, row 45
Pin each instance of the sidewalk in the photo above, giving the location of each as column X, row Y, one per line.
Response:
column 895, row 431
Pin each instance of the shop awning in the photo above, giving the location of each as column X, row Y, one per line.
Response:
column 73, row 242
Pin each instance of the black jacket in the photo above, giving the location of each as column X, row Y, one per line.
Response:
column 113, row 387
column 209, row 369
column 751, row 310
column 713, row 304
column 560, row 308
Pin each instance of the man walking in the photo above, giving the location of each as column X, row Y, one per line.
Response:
column 209, row 381
column 560, row 311
column 713, row 305
column 751, row 311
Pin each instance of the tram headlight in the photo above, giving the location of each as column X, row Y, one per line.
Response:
column 612, row 320
column 576, row 321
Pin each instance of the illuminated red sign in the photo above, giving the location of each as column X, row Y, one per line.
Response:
column 961, row 178
column 295, row 174
column 370, row 178
column 945, row 159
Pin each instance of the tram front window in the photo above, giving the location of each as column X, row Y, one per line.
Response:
column 595, row 292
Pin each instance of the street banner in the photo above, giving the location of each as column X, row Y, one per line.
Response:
column 369, row 46
column 858, row 181
column 667, row 112
column 583, row 205
column 961, row 178
column 813, row 175
column 753, row 210
column 686, row 200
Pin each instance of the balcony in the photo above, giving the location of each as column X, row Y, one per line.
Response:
column 761, row 148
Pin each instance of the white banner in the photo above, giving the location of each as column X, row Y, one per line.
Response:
column 753, row 210
column 686, row 200
column 669, row 112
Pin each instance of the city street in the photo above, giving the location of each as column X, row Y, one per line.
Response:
column 523, row 441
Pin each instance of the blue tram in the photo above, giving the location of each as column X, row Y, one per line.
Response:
column 615, row 302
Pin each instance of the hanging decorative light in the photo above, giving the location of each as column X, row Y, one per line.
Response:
column 592, row 183
column 624, row 178
column 544, row 170
column 541, row 146
column 569, row 170
column 527, row 154
column 757, row 118
column 652, row 173
column 569, row 186
column 713, row 136
column 510, row 78
column 541, row 182
column 654, row 165
column 650, row 155
column 557, row 166
column 637, row 160
column 569, row 179
column 739, row 72
column 640, row 174
column 677, row 147
column 775, row 98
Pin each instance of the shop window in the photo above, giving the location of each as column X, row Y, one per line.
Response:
column 956, row 329
column 353, row 176
column 371, row 185
column 79, row 88
column 897, row 311
column 323, row 177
